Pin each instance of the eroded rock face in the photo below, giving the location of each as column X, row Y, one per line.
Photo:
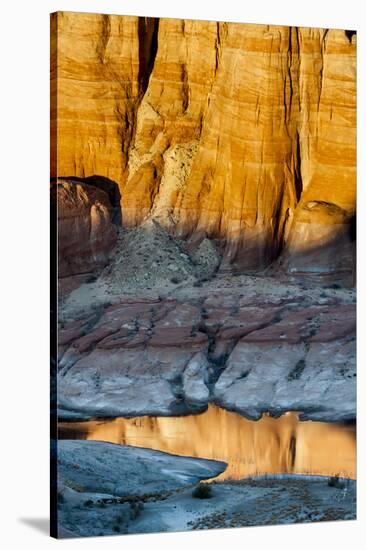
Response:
column 321, row 241
column 173, row 356
column 132, row 360
column 86, row 233
column 304, row 362
column 229, row 129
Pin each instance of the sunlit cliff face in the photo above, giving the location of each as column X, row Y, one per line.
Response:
column 227, row 128
column 267, row 446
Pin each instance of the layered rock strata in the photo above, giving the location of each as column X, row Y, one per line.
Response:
column 167, row 357
column 244, row 132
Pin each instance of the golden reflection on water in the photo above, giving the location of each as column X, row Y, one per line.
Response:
column 266, row 446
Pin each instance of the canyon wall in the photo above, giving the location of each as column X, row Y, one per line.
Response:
column 244, row 133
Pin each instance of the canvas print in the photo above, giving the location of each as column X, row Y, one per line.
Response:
column 203, row 232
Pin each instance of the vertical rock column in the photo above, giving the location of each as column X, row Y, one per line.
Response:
column 242, row 182
column 96, row 64
column 169, row 121
column 321, row 235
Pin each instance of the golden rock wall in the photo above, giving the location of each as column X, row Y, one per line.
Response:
column 244, row 132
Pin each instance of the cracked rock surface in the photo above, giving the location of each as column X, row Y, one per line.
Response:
column 251, row 344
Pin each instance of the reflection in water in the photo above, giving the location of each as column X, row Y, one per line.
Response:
column 266, row 446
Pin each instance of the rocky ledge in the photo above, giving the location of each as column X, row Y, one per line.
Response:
column 121, row 470
column 250, row 344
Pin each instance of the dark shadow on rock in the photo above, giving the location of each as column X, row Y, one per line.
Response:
column 330, row 261
column 105, row 184
column 82, row 253
column 353, row 228
column 349, row 35
column 41, row 525
column 148, row 28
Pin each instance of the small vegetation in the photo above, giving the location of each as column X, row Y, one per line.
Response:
column 334, row 481
column 174, row 280
column 203, row 490
column 88, row 503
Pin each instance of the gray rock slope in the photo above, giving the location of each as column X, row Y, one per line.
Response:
column 98, row 467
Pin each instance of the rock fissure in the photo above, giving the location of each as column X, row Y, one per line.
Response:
column 148, row 28
column 104, row 38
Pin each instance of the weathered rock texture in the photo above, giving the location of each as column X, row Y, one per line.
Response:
column 244, row 132
column 170, row 356
column 86, row 233
column 122, row 471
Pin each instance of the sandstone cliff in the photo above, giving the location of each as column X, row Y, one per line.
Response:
column 244, row 133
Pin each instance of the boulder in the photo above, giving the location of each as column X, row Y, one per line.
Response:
column 86, row 234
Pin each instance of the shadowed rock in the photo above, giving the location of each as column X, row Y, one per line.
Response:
column 98, row 467
column 86, row 233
